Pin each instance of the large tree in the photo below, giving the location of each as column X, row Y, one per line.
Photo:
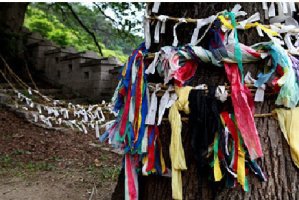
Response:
column 11, row 21
column 283, row 176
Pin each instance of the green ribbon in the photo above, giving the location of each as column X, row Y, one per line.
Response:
column 238, row 52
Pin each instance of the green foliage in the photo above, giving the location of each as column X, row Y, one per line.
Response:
column 60, row 37
column 43, row 26
column 54, row 22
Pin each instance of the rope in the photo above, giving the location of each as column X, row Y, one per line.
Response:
column 208, row 28
column 30, row 77
column 261, row 115
column 191, row 20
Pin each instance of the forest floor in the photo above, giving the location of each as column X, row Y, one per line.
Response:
column 43, row 164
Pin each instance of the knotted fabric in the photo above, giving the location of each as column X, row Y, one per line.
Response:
column 177, row 155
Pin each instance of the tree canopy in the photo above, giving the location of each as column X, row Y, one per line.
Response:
column 87, row 27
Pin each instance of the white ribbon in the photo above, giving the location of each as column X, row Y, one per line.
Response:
column 147, row 34
column 84, row 128
column 288, row 42
column 157, row 32
column 248, row 78
column 221, row 94
column 236, row 11
column 85, row 116
column 297, row 41
column 151, row 68
column 102, row 119
column 97, row 130
column 172, row 100
column 276, row 40
column 163, row 19
column 199, row 24
column 253, row 18
column 29, row 91
column 144, row 142
column 285, row 7
column 163, row 103
column 56, row 113
column 195, row 32
column 260, row 92
column 292, row 7
column 259, row 31
column 175, row 37
column 272, row 10
column 59, row 121
column 39, row 109
column 131, row 111
column 265, row 8
column 201, row 87
column 280, row 9
column 144, row 172
column 156, row 7
column 66, row 114
column 35, row 118
column 151, row 115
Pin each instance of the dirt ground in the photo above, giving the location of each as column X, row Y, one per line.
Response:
column 42, row 164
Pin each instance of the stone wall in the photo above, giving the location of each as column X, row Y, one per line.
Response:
column 82, row 72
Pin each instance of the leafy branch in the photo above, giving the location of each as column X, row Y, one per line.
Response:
column 85, row 27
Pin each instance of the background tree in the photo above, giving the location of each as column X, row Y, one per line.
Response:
column 11, row 21
column 283, row 176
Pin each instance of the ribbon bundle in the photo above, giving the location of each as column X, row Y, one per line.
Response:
column 232, row 156
column 134, row 130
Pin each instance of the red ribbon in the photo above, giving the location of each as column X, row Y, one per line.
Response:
column 234, row 132
column 125, row 114
column 244, row 107
column 138, row 96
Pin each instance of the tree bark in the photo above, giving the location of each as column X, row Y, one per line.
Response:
column 283, row 176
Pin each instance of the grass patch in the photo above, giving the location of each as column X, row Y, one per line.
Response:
column 8, row 164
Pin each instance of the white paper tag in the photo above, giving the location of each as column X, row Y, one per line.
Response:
column 156, row 7
column 272, row 10
column 259, row 31
column 157, row 32
column 260, row 93
column 97, row 130
column 175, row 38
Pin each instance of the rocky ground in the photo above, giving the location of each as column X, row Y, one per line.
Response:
column 43, row 164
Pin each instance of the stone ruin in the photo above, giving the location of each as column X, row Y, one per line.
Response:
column 82, row 72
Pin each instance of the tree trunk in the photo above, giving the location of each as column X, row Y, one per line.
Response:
column 283, row 179
column 11, row 39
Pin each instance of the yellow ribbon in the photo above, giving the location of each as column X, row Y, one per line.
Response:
column 225, row 22
column 241, row 167
column 177, row 155
column 217, row 170
column 266, row 30
column 288, row 122
column 229, row 26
